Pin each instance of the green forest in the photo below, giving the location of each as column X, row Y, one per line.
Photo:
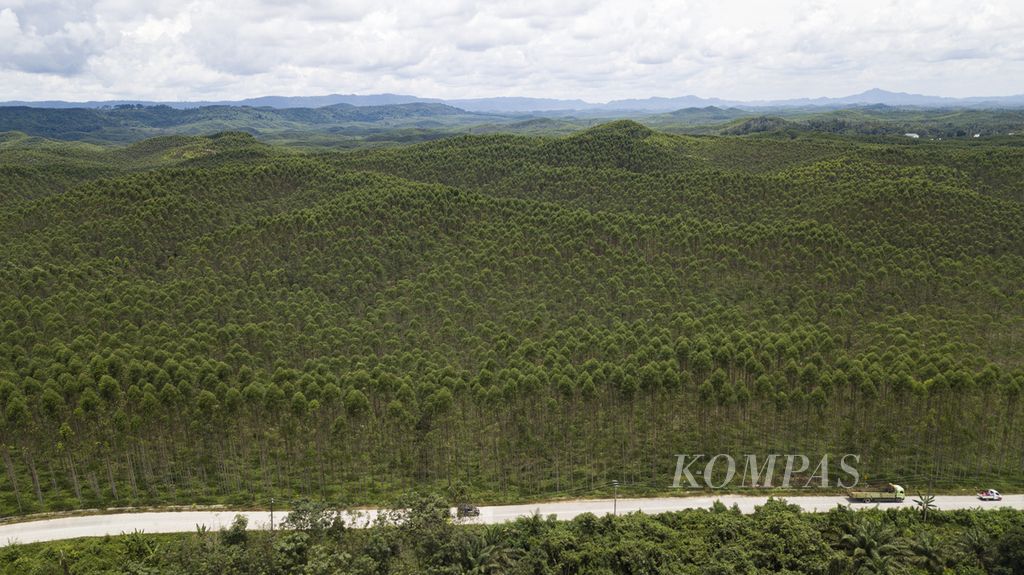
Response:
column 346, row 126
column 420, row 538
column 214, row 319
column 340, row 125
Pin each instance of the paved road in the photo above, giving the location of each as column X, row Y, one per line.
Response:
column 179, row 521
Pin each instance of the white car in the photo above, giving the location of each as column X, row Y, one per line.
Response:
column 990, row 495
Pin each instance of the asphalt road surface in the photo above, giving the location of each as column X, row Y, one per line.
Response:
column 182, row 521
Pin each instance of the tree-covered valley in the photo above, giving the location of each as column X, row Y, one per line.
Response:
column 212, row 319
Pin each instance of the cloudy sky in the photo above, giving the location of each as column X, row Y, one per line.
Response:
column 595, row 50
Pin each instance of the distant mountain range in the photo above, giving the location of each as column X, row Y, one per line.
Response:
column 526, row 105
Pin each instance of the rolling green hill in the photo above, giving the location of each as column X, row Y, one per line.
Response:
column 348, row 126
column 209, row 319
column 864, row 121
column 132, row 123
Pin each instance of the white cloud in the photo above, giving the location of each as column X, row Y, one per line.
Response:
column 33, row 43
column 597, row 50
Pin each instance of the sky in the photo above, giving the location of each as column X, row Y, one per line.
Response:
column 594, row 50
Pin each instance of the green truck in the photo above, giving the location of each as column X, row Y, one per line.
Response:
column 890, row 492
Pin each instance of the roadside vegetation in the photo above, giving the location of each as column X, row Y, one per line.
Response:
column 218, row 320
column 419, row 536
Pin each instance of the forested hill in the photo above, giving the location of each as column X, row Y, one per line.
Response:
column 134, row 122
column 348, row 126
column 204, row 319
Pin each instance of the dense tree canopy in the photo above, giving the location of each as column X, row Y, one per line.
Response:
column 213, row 319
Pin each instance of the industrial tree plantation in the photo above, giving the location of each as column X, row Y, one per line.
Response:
column 212, row 319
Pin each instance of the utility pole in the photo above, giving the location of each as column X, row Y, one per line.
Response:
column 615, row 502
column 271, row 513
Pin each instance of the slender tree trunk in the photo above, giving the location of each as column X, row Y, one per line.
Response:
column 74, row 478
column 12, row 476
column 51, row 473
column 31, row 462
column 131, row 475
column 110, row 476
